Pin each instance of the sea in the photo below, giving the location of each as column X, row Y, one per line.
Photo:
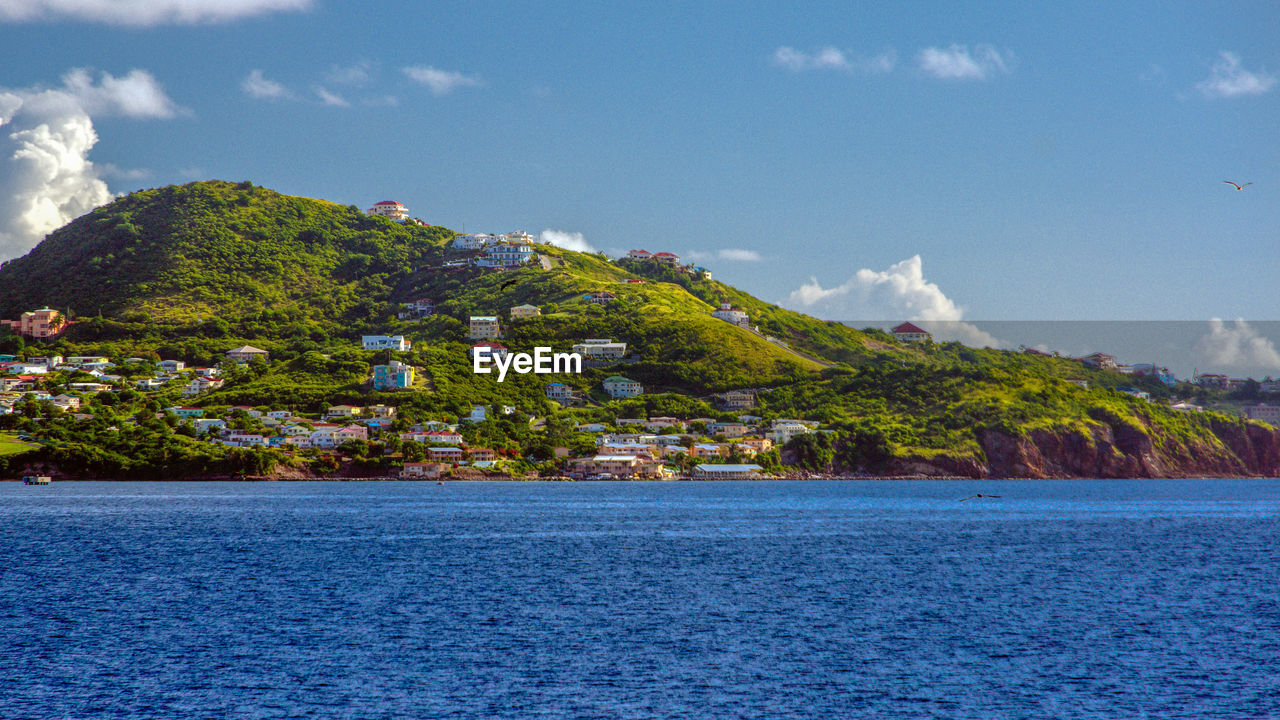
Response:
column 840, row 599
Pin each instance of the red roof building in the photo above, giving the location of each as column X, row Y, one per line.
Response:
column 909, row 332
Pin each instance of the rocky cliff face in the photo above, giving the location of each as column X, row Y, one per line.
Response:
column 1113, row 448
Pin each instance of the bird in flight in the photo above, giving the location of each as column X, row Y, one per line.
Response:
column 1237, row 187
column 979, row 495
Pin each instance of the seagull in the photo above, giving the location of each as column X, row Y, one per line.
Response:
column 979, row 495
column 1237, row 187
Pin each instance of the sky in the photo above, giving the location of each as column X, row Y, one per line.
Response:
column 934, row 161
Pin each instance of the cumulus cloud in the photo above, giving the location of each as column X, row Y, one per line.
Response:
column 1236, row 346
column 1228, row 79
column 955, row 62
column 46, row 177
column 256, row 85
column 897, row 293
column 144, row 13
column 566, row 240
column 440, row 82
column 730, row 254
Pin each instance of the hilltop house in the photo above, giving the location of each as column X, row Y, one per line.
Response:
column 389, row 209
column 385, row 342
column 1100, row 360
column 484, row 327
column 730, row 314
column 640, row 255
column 245, row 353
column 392, row 376
column 618, row 386
column 506, row 254
column 666, row 258
column 909, row 332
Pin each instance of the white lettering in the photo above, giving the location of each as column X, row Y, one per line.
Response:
column 503, row 362
column 543, row 362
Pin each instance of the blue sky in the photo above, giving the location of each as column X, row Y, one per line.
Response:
column 998, row 161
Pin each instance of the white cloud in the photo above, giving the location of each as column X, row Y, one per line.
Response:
column 119, row 173
column 898, row 293
column 1228, row 79
column 144, row 13
column 957, row 63
column 46, row 177
column 258, row 86
column 566, row 240
column 827, row 58
column 331, row 99
column 440, row 82
column 1236, row 346
column 730, row 254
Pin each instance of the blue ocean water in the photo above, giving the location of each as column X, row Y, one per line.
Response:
column 867, row 599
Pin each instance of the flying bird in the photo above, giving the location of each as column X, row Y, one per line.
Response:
column 1237, row 187
column 979, row 495
column 509, row 283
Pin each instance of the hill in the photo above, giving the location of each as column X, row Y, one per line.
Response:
column 187, row 272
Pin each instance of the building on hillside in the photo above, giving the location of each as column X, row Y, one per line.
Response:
column 910, row 332
column 484, row 327
column 525, row 311
column 600, row 298
column 601, row 349
column 737, row 399
column 393, row 376
column 730, row 314
column 559, row 391
column 1265, row 413
column 666, row 258
column 202, row 384
column 782, row 431
column 385, row 342
column 39, row 324
column 506, row 254
column 496, row 350
column 1213, row 380
column 1099, row 360
column 171, row 366
column 472, row 242
column 245, row 353
column 700, row 272
column 389, row 209
column 417, row 309
column 640, row 255
column 343, row 411
column 618, row 386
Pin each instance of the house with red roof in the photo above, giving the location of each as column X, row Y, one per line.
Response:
column 640, row 255
column 389, row 209
column 667, row 258
column 909, row 332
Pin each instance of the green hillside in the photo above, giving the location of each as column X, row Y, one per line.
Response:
column 188, row 272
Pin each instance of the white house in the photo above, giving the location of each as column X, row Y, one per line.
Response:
column 601, row 349
column 389, row 209
column 385, row 342
column 618, row 386
column 730, row 314
column 525, row 311
column 171, row 366
column 472, row 242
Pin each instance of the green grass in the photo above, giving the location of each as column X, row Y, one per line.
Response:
column 11, row 445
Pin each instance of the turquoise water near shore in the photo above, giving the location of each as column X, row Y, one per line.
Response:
column 874, row 599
